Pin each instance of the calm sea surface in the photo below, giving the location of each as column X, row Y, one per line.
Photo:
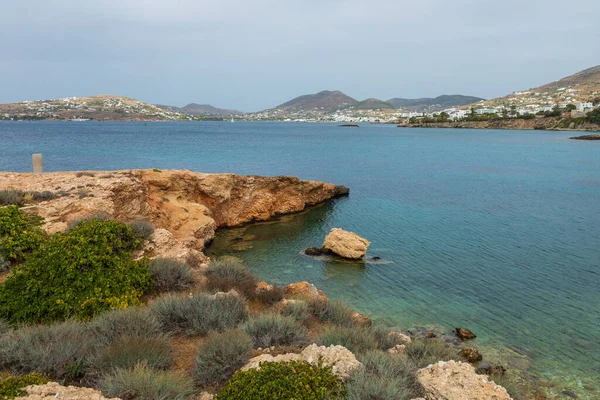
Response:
column 497, row 231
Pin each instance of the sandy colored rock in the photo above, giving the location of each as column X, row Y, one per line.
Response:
column 397, row 350
column 304, row 290
column 399, row 337
column 163, row 244
column 346, row 244
column 55, row 391
column 361, row 319
column 205, row 396
column 470, row 354
column 464, row 333
column 454, row 380
column 340, row 358
column 254, row 362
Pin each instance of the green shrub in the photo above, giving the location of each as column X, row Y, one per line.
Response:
column 4, row 264
column 77, row 274
column 429, row 351
column 220, row 356
column 513, row 388
column 336, row 312
column 383, row 376
column 10, row 197
column 20, row 234
column 228, row 273
column 199, row 314
column 383, row 338
column 298, row 310
column 127, row 352
column 356, row 339
column 170, row 275
column 144, row 383
column 142, row 228
column 63, row 351
column 270, row 296
column 594, row 116
column 293, row 380
column 130, row 322
column 268, row 330
column 12, row 386
column 99, row 216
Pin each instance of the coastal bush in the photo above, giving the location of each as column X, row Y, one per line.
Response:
column 132, row 322
column 200, row 314
column 220, row 356
column 170, row 275
column 384, row 339
column 333, row 311
column 429, row 351
column 98, row 216
column 63, row 351
column 4, row 327
column 594, row 116
column 292, row 380
column 228, row 273
column 356, row 339
column 12, row 386
column 20, row 234
column 515, row 391
column 383, row 376
column 142, row 228
column 11, row 197
column 143, row 383
column 4, row 264
column 268, row 330
column 298, row 310
column 77, row 274
column 271, row 296
column 128, row 351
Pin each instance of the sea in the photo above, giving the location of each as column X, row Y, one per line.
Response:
column 497, row 231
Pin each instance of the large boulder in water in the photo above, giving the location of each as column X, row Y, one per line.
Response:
column 454, row 380
column 346, row 244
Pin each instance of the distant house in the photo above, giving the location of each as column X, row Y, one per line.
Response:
column 482, row 111
column 583, row 106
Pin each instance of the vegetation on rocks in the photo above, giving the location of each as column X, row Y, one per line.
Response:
column 356, row 339
column 77, row 274
column 132, row 322
column 292, row 380
column 332, row 311
column 228, row 273
column 12, row 386
column 143, row 228
column 170, row 275
column 156, row 353
column 20, row 235
column 268, row 330
column 428, row 351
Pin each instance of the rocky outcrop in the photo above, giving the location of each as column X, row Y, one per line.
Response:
column 464, row 333
column 470, row 354
column 586, row 137
column 541, row 123
column 189, row 205
column 53, row 390
column 346, row 244
column 397, row 350
column 454, row 380
column 304, row 290
column 339, row 358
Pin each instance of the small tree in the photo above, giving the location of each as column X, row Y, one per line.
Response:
column 571, row 107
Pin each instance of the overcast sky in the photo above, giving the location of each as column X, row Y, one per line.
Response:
column 255, row 54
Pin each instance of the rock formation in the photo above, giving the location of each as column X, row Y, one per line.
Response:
column 53, row 390
column 464, row 333
column 346, row 244
column 189, row 205
column 470, row 354
column 454, row 380
column 304, row 290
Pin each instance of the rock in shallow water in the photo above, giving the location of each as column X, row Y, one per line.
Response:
column 346, row 244
column 465, row 334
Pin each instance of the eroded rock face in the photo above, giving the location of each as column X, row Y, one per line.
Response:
column 254, row 362
column 454, row 380
column 304, row 290
column 56, row 391
column 189, row 205
column 346, row 244
column 471, row 355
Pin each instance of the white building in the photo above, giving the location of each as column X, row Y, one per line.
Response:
column 583, row 106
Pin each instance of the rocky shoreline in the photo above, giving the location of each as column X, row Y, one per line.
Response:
column 550, row 124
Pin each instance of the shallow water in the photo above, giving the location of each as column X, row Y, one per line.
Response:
column 497, row 231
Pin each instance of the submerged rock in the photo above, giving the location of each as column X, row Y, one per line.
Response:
column 314, row 251
column 471, row 355
column 346, row 244
column 464, row 333
column 455, row 380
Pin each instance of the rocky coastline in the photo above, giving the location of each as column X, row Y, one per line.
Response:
column 550, row 124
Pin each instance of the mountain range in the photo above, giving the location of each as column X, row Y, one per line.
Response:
column 200, row 110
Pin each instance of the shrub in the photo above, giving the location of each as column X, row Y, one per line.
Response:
column 4, row 264
column 11, row 197
column 20, row 234
column 12, row 386
column 199, row 314
column 515, row 390
column 228, row 273
column 127, row 352
column 85, row 173
column 429, row 351
column 132, row 322
column 63, row 351
column 77, row 274
column 298, row 310
column 383, row 338
column 356, row 339
column 170, row 275
column 99, row 217
column 293, row 380
column 142, row 228
column 270, row 296
column 336, row 312
column 383, row 376
column 220, row 356
column 594, row 116
column 144, row 383
column 4, row 327
column 268, row 330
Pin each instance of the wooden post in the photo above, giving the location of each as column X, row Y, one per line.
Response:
column 38, row 167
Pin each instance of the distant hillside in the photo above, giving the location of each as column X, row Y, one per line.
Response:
column 100, row 108
column 374, row 104
column 200, row 109
column 433, row 104
column 584, row 86
column 325, row 101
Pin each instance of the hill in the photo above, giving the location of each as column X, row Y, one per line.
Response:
column 200, row 109
column 374, row 104
column 100, row 108
column 428, row 104
column 584, row 86
column 325, row 101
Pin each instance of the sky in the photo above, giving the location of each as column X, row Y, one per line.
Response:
column 255, row 54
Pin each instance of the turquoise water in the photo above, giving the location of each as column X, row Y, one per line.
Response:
column 497, row 231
